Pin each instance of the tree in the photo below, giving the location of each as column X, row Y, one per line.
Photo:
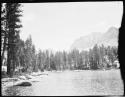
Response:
column 47, row 60
column 52, row 62
column 69, row 61
column 41, row 60
column 80, row 61
column 19, row 60
column 34, row 59
column 101, row 56
column 28, row 54
column 3, row 31
column 57, row 60
column 12, row 28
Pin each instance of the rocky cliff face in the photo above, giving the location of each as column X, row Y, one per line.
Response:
column 109, row 38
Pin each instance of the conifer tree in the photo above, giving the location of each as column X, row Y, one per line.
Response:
column 13, row 13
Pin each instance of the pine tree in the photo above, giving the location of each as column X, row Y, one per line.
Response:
column 3, row 32
column 12, row 25
column 41, row 60
column 20, row 55
column 34, row 59
column 28, row 54
column 52, row 62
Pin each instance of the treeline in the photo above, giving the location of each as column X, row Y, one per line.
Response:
column 99, row 57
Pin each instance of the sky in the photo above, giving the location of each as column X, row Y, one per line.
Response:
column 57, row 25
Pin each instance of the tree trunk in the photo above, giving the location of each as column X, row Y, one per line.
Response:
column 8, row 62
column 3, row 50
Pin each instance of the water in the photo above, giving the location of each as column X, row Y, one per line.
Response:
column 73, row 83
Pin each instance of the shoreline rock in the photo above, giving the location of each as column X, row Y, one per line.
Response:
column 23, row 84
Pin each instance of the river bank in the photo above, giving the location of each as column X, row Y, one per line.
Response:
column 15, row 80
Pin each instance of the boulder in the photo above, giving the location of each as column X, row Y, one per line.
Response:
column 24, row 84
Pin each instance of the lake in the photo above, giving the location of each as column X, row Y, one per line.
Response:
column 72, row 83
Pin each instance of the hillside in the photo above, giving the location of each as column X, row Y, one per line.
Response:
column 109, row 38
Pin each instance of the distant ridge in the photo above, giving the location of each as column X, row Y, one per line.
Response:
column 109, row 38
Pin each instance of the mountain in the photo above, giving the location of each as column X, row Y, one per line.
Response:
column 109, row 38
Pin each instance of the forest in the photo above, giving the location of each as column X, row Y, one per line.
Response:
column 22, row 57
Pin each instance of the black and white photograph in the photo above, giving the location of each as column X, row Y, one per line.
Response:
column 61, row 49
